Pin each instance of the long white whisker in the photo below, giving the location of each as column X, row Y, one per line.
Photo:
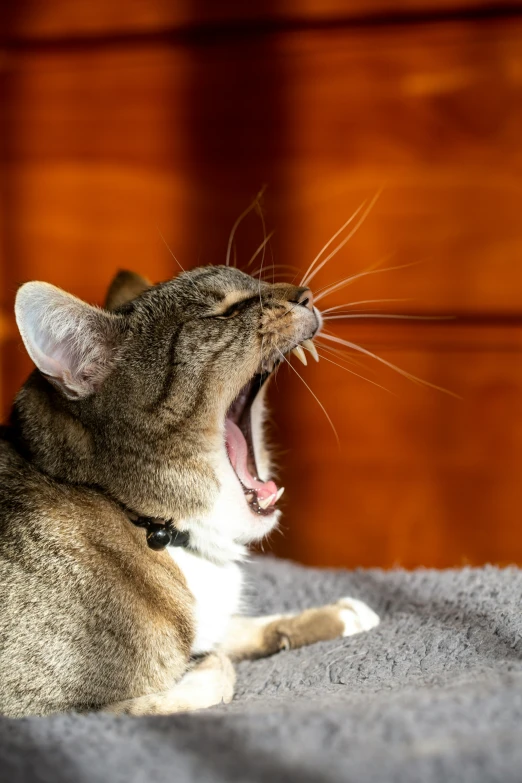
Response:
column 372, row 269
column 406, row 374
column 313, row 395
column 338, row 352
column 261, row 247
column 239, row 221
column 320, row 253
column 346, row 239
column 341, row 353
column 327, row 290
column 362, row 301
column 348, row 316
column 326, row 359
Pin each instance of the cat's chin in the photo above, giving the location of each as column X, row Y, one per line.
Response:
column 230, row 526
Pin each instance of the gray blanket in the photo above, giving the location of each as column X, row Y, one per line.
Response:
column 433, row 694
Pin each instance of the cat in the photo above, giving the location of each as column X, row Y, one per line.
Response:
column 141, row 425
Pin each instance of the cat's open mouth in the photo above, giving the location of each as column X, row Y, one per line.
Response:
column 261, row 496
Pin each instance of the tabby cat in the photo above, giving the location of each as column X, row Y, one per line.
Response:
column 142, row 425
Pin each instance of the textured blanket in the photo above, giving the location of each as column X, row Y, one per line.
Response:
column 433, row 694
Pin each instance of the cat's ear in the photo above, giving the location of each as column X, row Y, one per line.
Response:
column 125, row 287
column 72, row 343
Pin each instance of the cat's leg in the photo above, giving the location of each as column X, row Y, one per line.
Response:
column 257, row 637
column 210, row 682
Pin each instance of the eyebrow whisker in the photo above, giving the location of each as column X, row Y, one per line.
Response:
column 239, row 220
column 327, row 290
column 339, row 231
column 261, row 247
column 307, row 279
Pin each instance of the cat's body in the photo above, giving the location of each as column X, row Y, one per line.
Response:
column 137, row 411
column 66, row 607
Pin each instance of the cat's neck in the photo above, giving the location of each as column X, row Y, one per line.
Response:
column 141, row 469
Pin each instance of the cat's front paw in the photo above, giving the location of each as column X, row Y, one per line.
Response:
column 356, row 616
column 345, row 618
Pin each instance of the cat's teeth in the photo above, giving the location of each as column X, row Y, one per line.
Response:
column 265, row 502
column 308, row 344
column 298, row 351
column 279, row 493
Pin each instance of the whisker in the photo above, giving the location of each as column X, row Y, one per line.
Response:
column 362, row 301
column 404, row 373
column 348, row 316
column 261, row 353
column 342, row 353
column 313, row 395
column 261, row 247
column 287, row 312
column 327, row 290
column 326, row 359
column 346, row 239
column 170, row 251
column 239, row 220
column 372, row 269
column 274, row 266
column 320, row 253
column 176, row 260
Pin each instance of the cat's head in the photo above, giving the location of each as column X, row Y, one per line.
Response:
column 162, row 390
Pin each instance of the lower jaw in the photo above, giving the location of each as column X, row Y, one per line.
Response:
column 253, row 504
column 261, row 525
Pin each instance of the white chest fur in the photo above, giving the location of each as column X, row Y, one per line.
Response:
column 217, row 593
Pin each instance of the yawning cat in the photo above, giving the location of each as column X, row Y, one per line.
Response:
column 141, row 426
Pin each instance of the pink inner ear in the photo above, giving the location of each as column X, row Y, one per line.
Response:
column 63, row 336
column 47, row 364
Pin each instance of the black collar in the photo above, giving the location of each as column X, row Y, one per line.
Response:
column 160, row 532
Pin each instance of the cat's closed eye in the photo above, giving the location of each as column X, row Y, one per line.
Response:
column 234, row 309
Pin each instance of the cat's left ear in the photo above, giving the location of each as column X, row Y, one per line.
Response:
column 125, row 287
column 75, row 345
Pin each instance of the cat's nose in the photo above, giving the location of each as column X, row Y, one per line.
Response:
column 306, row 298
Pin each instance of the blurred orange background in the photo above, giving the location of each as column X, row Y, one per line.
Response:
column 121, row 120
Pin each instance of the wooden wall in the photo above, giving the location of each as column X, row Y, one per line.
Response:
column 121, row 120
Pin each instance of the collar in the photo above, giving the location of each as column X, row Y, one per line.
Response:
column 160, row 532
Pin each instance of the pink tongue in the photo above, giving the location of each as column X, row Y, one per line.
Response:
column 237, row 454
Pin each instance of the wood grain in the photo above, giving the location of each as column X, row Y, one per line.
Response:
column 405, row 110
column 105, row 147
column 37, row 19
column 114, row 129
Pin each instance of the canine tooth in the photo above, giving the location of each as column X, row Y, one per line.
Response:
column 298, row 351
column 265, row 502
column 279, row 493
column 308, row 344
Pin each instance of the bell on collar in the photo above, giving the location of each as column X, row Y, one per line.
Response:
column 158, row 536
